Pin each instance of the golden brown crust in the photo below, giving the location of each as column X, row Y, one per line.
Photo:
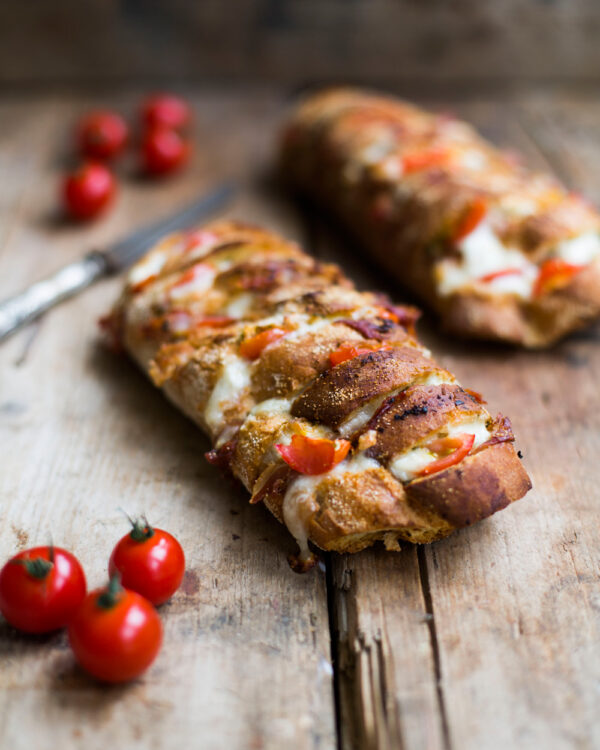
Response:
column 480, row 485
column 412, row 415
column 287, row 366
column 344, row 148
column 339, row 391
column 192, row 315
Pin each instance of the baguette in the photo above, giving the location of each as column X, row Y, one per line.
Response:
column 317, row 397
column 497, row 251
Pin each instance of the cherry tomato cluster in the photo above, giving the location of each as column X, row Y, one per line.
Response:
column 103, row 135
column 114, row 631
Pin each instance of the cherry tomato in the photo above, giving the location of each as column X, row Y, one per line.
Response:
column 554, row 273
column 252, row 348
column 493, row 275
column 115, row 634
column 88, row 191
column 313, row 455
column 471, row 219
column 41, row 588
column 420, row 160
column 452, row 450
column 102, row 135
column 348, row 351
column 164, row 151
column 149, row 561
column 166, row 110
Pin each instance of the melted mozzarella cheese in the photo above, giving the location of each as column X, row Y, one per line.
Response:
column 472, row 159
column 299, row 502
column 149, row 266
column 361, row 416
column 240, row 305
column 406, row 466
column 359, row 462
column 272, row 407
column 375, row 151
column 229, row 388
column 390, row 168
column 483, row 253
column 580, row 250
column 305, row 327
column 202, row 279
column 518, row 206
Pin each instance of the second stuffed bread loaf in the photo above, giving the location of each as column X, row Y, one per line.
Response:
column 498, row 251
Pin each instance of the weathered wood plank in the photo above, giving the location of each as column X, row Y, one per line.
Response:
column 292, row 40
column 246, row 661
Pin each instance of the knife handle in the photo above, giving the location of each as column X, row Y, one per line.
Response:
column 44, row 294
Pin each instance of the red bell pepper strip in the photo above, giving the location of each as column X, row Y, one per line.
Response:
column 192, row 274
column 470, row 220
column 499, row 274
column 214, row 321
column 346, row 352
column 313, row 455
column 253, row 347
column 476, row 395
column 554, row 273
column 460, row 445
column 141, row 285
column 420, row 160
column 199, row 238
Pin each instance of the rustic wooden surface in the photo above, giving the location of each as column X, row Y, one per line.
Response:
column 487, row 640
column 464, row 41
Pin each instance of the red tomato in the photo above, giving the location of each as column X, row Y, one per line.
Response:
column 476, row 395
column 149, row 561
column 216, row 321
column 166, row 110
column 115, row 634
column 470, row 220
column 346, row 352
column 313, row 455
column 455, row 448
column 553, row 274
column 420, row 160
column 252, row 348
column 88, row 191
column 164, row 151
column 486, row 278
column 41, row 588
column 102, row 135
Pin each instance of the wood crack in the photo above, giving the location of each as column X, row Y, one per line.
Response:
column 435, row 649
column 334, row 646
column 30, row 337
column 367, row 717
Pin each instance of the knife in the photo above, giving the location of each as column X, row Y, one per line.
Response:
column 41, row 296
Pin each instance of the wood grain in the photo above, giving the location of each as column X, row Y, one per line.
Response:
column 398, row 41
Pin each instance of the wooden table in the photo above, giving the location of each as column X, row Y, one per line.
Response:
column 487, row 640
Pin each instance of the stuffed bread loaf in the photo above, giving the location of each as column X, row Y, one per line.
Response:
column 318, row 397
column 498, row 251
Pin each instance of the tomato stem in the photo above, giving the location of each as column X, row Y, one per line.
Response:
column 38, row 567
column 141, row 530
column 110, row 595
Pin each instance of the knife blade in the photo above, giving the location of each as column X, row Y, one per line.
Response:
column 67, row 281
